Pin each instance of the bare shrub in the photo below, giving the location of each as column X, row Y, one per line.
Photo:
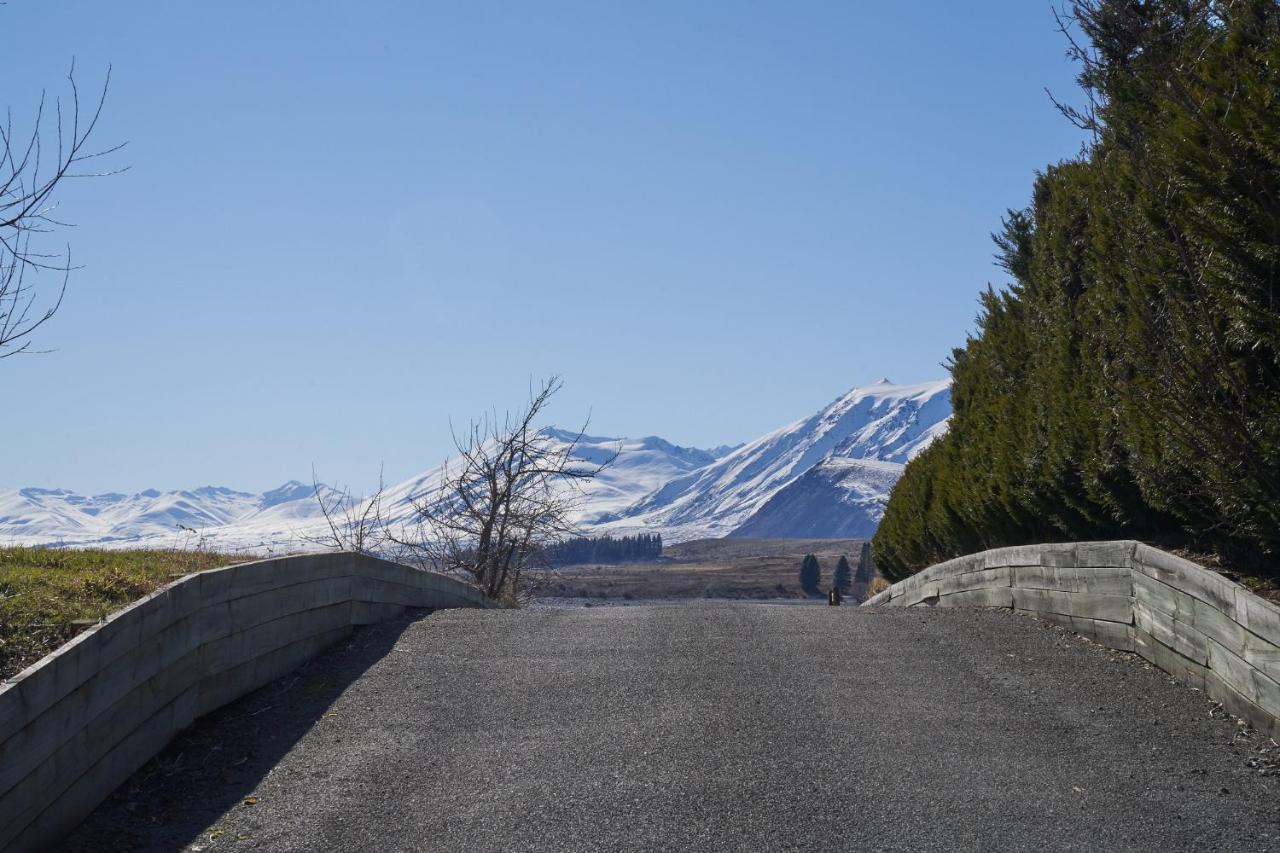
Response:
column 877, row 586
column 354, row 523
column 510, row 494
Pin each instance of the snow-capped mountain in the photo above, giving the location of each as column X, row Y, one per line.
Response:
column 639, row 466
column 836, row 499
column 57, row 515
column 826, row 475
column 290, row 518
column 884, row 422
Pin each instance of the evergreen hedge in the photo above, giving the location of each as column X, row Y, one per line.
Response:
column 1126, row 383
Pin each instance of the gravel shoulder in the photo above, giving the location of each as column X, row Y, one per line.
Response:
column 712, row 727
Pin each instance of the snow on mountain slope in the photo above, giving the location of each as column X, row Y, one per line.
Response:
column 836, row 499
column 289, row 517
column 641, row 466
column 885, row 422
column 827, row 475
column 57, row 515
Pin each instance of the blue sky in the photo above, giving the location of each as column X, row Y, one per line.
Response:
column 344, row 224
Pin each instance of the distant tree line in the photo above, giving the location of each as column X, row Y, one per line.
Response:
column 844, row 578
column 1127, row 383
column 606, row 549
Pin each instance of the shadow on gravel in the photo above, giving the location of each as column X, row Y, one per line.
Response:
column 218, row 761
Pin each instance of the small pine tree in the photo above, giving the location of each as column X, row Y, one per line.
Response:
column 810, row 574
column 866, row 566
column 843, row 579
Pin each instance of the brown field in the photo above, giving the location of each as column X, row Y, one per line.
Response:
column 705, row 568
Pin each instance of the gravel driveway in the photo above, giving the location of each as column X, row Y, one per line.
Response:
column 707, row 727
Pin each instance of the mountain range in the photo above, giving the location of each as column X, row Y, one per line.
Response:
column 828, row 475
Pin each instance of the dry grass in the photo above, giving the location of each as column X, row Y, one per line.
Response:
column 877, row 586
column 707, row 568
column 47, row 596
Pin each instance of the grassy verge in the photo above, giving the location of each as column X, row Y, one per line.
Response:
column 48, row 596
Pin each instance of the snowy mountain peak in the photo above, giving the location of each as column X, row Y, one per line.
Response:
column 291, row 491
column 884, row 422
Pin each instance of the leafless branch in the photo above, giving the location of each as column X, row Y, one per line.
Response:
column 32, row 167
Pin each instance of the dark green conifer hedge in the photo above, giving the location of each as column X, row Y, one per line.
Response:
column 1127, row 381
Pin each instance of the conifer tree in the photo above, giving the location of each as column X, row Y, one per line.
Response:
column 843, row 578
column 810, row 574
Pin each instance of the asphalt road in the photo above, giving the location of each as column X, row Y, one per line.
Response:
column 709, row 727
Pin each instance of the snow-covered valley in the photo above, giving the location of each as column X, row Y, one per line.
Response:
column 827, row 475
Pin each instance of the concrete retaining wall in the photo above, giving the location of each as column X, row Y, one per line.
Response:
column 78, row 723
column 1192, row 623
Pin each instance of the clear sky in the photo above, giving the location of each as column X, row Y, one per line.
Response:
column 346, row 223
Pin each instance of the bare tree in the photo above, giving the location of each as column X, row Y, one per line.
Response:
column 32, row 167
column 355, row 523
column 511, row 492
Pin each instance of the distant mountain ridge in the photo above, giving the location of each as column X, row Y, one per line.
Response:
column 59, row 516
column 828, row 475
column 884, row 422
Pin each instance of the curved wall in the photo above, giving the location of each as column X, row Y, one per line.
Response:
column 78, row 723
column 1193, row 623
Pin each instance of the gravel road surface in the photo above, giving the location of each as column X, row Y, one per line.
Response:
column 707, row 727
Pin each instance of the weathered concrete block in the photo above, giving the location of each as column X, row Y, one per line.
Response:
column 1105, row 554
column 1113, row 635
column 269, row 667
column 219, row 688
column 1109, row 608
column 995, row 596
column 132, row 674
column 921, row 594
column 367, row 613
column 1259, row 617
column 49, row 819
column 1102, row 581
column 1058, row 556
column 1187, row 577
column 1244, row 678
column 273, row 604
column 1237, row 704
column 1047, row 616
column 1184, row 669
column 249, row 644
column 1018, row 555
column 52, row 761
column 983, row 579
column 1160, row 596
column 392, row 592
column 252, row 578
column 215, row 584
column 184, row 596
column 1179, row 636
column 959, row 565
column 1208, row 620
